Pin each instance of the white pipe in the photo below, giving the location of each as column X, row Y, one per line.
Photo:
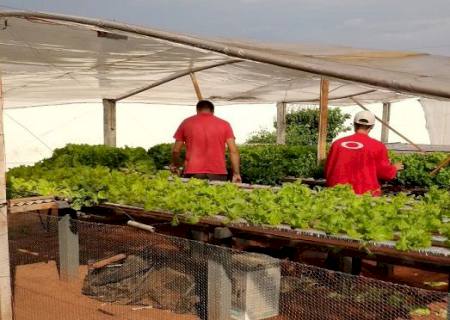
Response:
column 142, row 226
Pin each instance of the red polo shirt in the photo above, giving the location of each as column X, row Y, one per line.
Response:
column 205, row 136
column 360, row 161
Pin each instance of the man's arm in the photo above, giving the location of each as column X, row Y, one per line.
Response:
column 176, row 152
column 235, row 160
column 386, row 170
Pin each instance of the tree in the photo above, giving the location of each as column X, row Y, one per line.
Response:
column 302, row 127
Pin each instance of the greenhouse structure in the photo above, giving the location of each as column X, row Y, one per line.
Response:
column 125, row 257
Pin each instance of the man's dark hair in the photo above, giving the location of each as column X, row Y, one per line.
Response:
column 362, row 126
column 205, row 105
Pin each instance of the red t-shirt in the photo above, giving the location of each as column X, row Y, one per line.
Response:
column 205, row 136
column 360, row 161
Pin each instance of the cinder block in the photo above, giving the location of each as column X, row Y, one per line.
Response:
column 255, row 286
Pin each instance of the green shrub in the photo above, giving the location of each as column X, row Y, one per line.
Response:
column 262, row 164
column 86, row 155
column 418, row 168
column 332, row 210
column 262, row 136
column 162, row 154
column 302, row 127
column 269, row 164
column 74, row 155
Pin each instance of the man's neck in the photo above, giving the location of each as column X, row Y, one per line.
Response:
column 204, row 112
column 362, row 131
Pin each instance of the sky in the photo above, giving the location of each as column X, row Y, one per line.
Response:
column 414, row 25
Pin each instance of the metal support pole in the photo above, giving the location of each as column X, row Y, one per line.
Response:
column 5, row 277
column 386, row 118
column 323, row 122
column 109, row 122
column 69, row 249
column 281, row 123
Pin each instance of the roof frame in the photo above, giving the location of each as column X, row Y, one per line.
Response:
column 174, row 76
column 307, row 64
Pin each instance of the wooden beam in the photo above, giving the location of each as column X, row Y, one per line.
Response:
column 33, row 207
column 196, row 86
column 104, row 262
column 109, row 122
column 389, row 126
column 30, row 200
column 346, row 96
column 174, row 76
column 5, row 277
column 281, row 123
column 386, row 118
column 323, row 122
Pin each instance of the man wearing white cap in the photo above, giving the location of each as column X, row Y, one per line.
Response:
column 359, row 160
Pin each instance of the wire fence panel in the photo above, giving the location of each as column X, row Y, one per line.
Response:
column 126, row 273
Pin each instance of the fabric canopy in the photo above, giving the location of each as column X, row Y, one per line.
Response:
column 55, row 59
column 437, row 115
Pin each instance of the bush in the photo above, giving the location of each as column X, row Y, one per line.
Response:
column 302, row 127
column 260, row 164
column 162, row 154
column 74, row 155
column 262, row 137
column 335, row 211
column 265, row 164
column 269, row 164
column 418, row 168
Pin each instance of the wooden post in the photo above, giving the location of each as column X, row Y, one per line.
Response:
column 196, row 86
column 440, row 165
column 386, row 118
column 323, row 122
column 69, row 250
column 281, row 123
column 109, row 122
column 385, row 269
column 5, row 277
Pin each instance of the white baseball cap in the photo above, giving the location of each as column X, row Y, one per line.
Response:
column 365, row 117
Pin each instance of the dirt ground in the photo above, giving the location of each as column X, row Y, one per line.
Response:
column 40, row 295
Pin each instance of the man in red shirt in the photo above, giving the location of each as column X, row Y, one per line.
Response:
column 359, row 160
column 205, row 137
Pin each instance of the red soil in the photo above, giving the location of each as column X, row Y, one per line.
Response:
column 40, row 295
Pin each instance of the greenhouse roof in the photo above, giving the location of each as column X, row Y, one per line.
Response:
column 49, row 59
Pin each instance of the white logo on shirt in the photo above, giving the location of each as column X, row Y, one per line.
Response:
column 353, row 145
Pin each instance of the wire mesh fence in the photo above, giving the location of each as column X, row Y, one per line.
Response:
column 123, row 273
